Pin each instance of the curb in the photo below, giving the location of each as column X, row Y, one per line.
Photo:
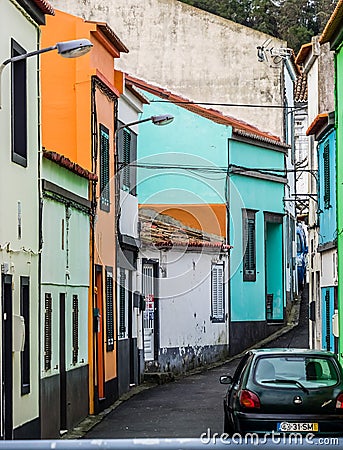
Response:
column 90, row 421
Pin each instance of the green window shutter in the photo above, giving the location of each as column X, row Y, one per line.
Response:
column 109, row 310
column 217, row 307
column 327, row 193
column 104, row 168
column 249, row 246
column 126, row 159
column 75, row 330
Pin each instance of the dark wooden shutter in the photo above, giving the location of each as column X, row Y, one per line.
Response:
column 109, row 310
column 75, row 330
column 249, row 246
column 126, row 159
column 122, row 326
column 104, row 169
column 47, row 331
column 327, row 193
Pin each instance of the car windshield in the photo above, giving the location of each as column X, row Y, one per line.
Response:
column 301, row 371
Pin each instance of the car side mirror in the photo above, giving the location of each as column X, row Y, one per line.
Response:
column 226, row 379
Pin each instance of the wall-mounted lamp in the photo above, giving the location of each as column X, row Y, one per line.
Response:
column 67, row 49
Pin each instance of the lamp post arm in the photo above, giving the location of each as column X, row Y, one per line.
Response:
column 3, row 65
column 132, row 123
column 19, row 58
column 27, row 55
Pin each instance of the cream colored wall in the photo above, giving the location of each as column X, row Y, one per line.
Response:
column 193, row 53
column 20, row 184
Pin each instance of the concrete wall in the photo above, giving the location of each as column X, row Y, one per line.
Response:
column 194, row 53
column 326, row 78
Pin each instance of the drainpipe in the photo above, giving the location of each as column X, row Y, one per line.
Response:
column 94, row 150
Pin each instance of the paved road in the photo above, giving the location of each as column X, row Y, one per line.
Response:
column 187, row 407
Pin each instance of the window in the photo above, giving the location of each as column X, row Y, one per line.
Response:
column 122, row 304
column 19, row 107
column 104, row 169
column 249, row 245
column 25, row 355
column 127, row 153
column 109, row 309
column 327, row 194
column 47, row 331
column 126, row 159
column 217, row 293
column 75, row 330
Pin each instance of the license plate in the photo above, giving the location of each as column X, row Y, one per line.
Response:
column 297, row 426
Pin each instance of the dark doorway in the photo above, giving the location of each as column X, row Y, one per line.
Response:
column 7, row 369
column 63, row 387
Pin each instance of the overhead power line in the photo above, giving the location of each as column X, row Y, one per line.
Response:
column 239, row 105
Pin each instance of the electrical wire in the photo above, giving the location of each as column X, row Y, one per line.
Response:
column 238, row 105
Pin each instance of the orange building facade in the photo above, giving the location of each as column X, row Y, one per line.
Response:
column 79, row 115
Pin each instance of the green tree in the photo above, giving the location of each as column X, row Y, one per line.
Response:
column 294, row 21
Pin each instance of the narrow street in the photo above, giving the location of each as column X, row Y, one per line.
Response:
column 189, row 406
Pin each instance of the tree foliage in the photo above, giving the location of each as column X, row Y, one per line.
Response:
column 294, row 21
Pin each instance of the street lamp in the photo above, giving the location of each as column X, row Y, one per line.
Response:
column 67, row 49
column 164, row 119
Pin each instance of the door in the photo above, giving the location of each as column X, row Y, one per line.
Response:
column 99, row 333
column 148, row 317
column 274, row 268
column 327, row 313
column 6, row 361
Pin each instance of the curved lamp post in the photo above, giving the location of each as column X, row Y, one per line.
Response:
column 164, row 119
column 67, row 49
column 161, row 120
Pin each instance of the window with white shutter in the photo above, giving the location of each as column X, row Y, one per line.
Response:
column 218, row 298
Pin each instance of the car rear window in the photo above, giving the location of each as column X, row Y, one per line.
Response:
column 310, row 371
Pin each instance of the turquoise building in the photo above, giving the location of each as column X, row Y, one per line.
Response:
column 328, row 233
column 226, row 178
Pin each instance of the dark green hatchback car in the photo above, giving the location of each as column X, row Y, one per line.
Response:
column 285, row 390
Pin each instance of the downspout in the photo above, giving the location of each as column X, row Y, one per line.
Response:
column 40, row 225
column 116, row 221
column 94, row 151
column 228, row 239
column 338, row 127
